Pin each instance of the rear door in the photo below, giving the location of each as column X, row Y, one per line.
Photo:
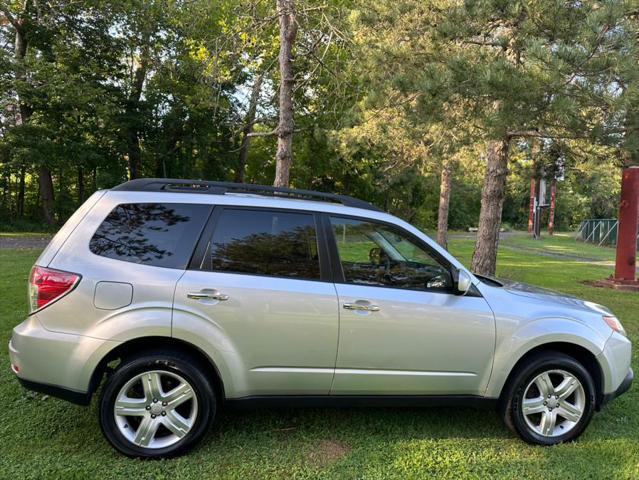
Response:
column 259, row 275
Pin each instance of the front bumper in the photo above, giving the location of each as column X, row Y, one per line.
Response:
column 615, row 360
column 623, row 388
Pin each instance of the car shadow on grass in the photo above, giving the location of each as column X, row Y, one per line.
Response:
column 427, row 422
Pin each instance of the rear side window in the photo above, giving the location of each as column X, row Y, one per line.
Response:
column 156, row 234
column 261, row 242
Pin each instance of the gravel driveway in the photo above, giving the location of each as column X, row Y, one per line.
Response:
column 9, row 241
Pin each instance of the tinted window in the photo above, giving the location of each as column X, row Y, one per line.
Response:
column 265, row 243
column 376, row 254
column 158, row 234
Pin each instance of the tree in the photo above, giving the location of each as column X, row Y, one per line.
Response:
column 24, row 22
column 285, row 128
column 397, row 47
column 392, row 101
column 249, row 123
column 309, row 43
column 627, row 77
column 529, row 66
column 492, row 204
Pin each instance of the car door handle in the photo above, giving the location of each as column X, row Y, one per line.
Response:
column 361, row 307
column 213, row 295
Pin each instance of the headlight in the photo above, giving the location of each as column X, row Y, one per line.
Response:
column 614, row 323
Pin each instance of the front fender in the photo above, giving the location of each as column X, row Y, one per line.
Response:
column 513, row 345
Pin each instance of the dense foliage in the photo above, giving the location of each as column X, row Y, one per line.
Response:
column 95, row 92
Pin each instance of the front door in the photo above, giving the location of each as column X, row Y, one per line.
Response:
column 402, row 328
column 261, row 284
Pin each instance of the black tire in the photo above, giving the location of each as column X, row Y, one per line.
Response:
column 511, row 402
column 171, row 362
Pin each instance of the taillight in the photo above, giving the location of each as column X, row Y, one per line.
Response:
column 47, row 285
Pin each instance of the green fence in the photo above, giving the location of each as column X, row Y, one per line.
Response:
column 600, row 231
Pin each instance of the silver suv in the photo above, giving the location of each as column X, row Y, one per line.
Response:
column 189, row 296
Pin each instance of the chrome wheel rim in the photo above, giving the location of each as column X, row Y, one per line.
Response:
column 155, row 409
column 554, row 402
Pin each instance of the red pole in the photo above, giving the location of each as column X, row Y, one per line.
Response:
column 551, row 214
column 531, row 208
column 625, row 264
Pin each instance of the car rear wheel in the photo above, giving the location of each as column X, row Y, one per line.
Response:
column 550, row 400
column 156, row 405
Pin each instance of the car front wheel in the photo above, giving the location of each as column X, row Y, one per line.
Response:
column 551, row 400
column 156, row 405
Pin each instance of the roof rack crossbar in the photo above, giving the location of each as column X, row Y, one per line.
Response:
column 221, row 188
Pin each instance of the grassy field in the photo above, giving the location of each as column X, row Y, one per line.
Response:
column 43, row 437
column 560, row 244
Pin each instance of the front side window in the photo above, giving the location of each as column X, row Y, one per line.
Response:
column 377, row 254
column 261, row 242
column 156, row 234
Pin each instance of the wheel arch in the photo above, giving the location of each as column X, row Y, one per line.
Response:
column 141, row 344
column 578, row 352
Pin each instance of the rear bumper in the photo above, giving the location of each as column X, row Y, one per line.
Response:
column 623, row 388
column 57, row 364
column 79, row 398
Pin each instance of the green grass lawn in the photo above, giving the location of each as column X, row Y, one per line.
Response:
column 560, row 244
column 25, row 234
column 43, row 437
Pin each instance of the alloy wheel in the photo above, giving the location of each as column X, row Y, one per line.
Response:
column 553, row 403
column 155, row 409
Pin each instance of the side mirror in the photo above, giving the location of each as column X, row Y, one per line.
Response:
column 464, row 282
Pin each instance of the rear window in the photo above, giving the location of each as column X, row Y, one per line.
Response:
column 261, row 242
column 156, row 234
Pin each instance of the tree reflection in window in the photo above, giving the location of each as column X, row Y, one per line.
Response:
column 150, row 233
column 265, row 243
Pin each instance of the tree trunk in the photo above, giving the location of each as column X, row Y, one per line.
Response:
column 444, row 203
column 160, row 166
column 492, row 201
column 531, row 205
column 20, row 51
column 134, row 155
column 248, row 127
column 21, row 188
column 45, row 183
column 553, row 203
column 286, row 126
column 6, row 191
column 80, row 185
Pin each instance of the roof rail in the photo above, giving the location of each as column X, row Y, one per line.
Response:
column 221, row 188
